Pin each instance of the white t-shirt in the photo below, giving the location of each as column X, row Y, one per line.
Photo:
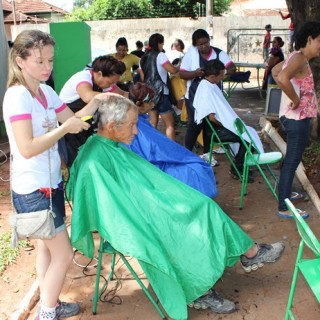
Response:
column 69, row 92
column 190, row 61
column 162, row 60
column 174, row 54
column 29, row 175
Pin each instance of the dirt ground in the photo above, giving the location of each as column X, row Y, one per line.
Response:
column 260, row 295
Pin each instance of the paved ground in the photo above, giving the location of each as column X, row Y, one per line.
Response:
column 261, row 295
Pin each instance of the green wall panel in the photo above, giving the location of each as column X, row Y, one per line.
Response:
column 72, row 50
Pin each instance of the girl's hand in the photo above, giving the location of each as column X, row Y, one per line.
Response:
column 75, row 125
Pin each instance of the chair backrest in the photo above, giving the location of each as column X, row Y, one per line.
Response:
column 304, row 230
column 241, row 130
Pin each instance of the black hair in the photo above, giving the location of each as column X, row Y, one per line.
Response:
column 199, row 34
column 154, row 40
column 122, row 42
column 108, row 66
column 308, row 29
column 268, row 27
column 279, row 40
column 139, row 44
column 213, row 67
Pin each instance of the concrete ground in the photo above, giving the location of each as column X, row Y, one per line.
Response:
column 260, row 295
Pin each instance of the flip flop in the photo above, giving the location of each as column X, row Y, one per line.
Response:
column 303, row 215
column 295, row 196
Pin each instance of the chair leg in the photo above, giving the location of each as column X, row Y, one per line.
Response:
column 96, row 289
column 230, row 157
column 211, row 148
column 143, row 287
column 267, row 180
column 244, row 184
column 289, row 314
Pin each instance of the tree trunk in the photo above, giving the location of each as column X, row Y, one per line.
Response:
column 302, row 11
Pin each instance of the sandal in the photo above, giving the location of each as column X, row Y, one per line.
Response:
column 303, row 214
column 296, row 196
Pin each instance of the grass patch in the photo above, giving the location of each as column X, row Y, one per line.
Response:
column 8, row 255
column 311, row 158
column 4, row 193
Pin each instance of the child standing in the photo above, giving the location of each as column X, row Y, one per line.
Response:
column 266, row 42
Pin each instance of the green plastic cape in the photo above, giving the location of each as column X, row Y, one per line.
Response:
column 181, row 238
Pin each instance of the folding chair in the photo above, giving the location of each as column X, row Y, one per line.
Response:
column 105, row 247
column 255, row 159
column 309, row 268
column 215, row 141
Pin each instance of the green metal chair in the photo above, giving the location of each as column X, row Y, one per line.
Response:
column 256, row 159
column 215, row 141
column 309, row 268
column 105, row 247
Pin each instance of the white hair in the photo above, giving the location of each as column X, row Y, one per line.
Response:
column 114, row 109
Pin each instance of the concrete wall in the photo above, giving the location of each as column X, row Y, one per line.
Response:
column 3, row 68
column 245, row 45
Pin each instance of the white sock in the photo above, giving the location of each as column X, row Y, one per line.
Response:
column 47, row 313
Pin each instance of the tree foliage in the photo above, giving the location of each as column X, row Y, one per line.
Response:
column 86, row 10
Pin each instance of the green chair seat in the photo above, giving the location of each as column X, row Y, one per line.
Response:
column 265, row 158
column 311, row 272
column 308, row 268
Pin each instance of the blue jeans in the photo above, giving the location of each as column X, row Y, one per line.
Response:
column 297, row 132
column 164, row 106
column 36, row 201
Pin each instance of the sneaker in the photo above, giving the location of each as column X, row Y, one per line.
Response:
column 206, row 157
column 67, row 309
column 215, row 302
column 63, row 310
column 218, row 150
column 267, row 253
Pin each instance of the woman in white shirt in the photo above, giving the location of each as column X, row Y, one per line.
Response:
column 154, row 68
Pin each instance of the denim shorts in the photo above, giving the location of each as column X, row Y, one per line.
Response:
column 36, row 201
column 164, row 106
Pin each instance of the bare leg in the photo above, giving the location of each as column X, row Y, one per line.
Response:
column 53, row 260
column 168, row 120
column 154, row 118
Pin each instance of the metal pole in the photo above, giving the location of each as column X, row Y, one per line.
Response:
column 209, row 17
column 14, row 11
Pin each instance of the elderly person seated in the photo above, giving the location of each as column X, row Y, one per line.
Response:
column 181, row 238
